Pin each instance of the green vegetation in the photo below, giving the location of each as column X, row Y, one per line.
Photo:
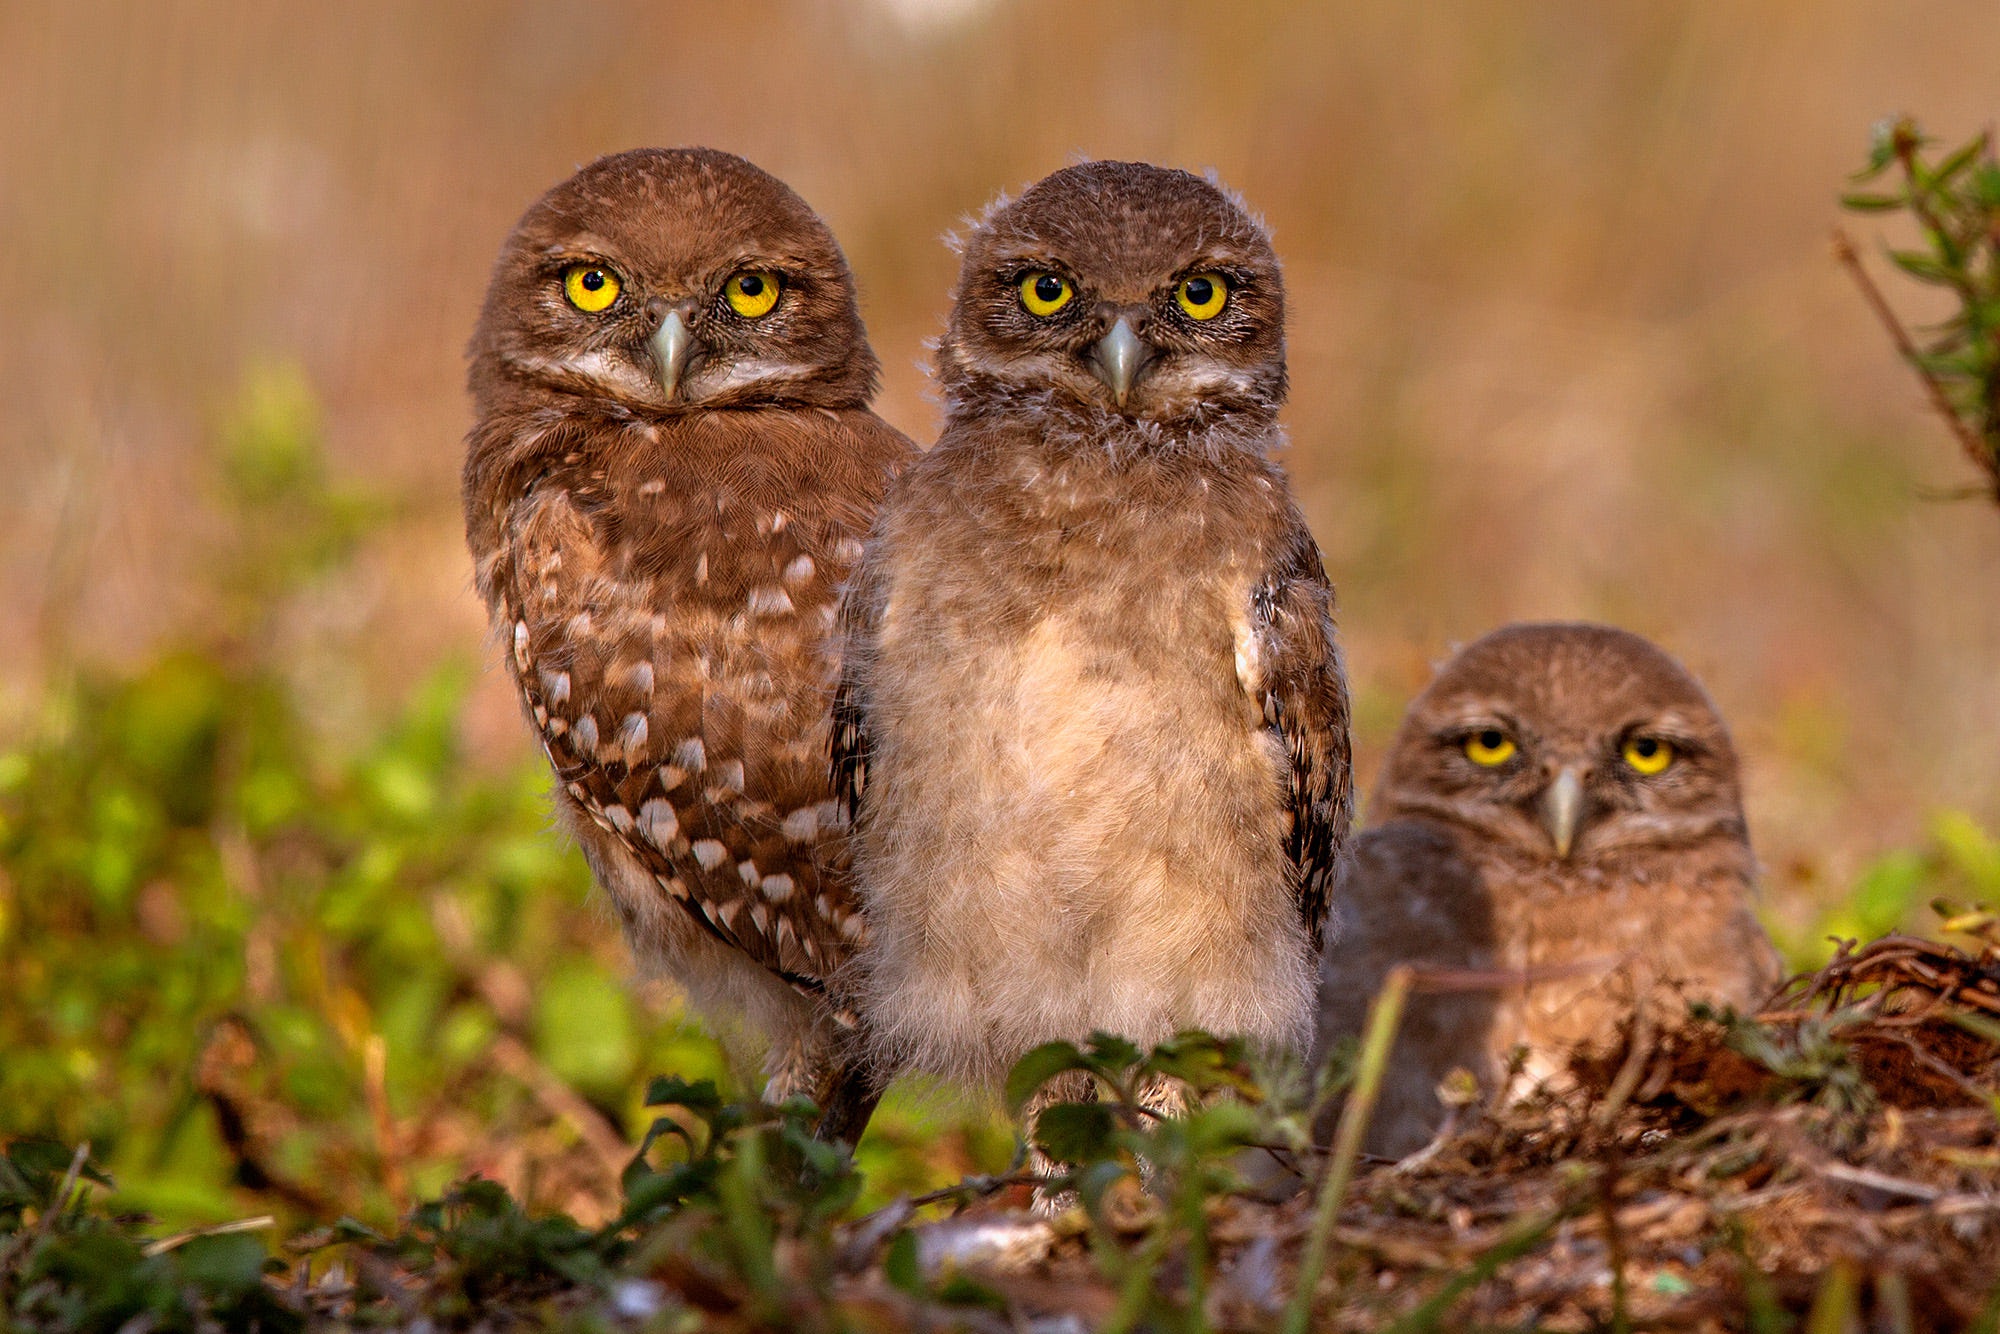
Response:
column 261, row 973
column 1954, row 201
column 257, row 967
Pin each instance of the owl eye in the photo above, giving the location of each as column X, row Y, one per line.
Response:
column 1044, row 294
column 1202, row 296
column 1648, row 754
column 1490, row 747
column 590, row 287
column 752, row 294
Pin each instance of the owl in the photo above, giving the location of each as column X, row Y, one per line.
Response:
column 672, row 474
column 1092, row 714
column 1561, row 805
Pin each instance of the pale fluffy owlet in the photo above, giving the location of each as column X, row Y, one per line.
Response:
column 1092, row 711
column 672, row 473
column 1560, row 803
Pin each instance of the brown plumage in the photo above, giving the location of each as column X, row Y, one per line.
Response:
column 1561, row 802
column 671, row 476
column 1092, row 710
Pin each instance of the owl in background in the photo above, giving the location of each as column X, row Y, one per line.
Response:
column 1092, row 714
column 673, row 470
column 1561, row 802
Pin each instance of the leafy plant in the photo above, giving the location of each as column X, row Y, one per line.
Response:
column 1146, row 1179
column 66, row 1266
column 1955, row 202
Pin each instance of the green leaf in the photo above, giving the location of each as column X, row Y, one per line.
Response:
column 1093, row 1181
column 1881, row 149
column 1984, row 188
column 1222, row 1127
column 1037, row 1068
column 1923, row 268
column 1959, row 160
column 1865, row 203
column 230, row 1266
column 900, row 1266
column 1969, row 849
column 1077, row 1132
column 1204, row 1062
column 349, row 1229
column 699, row 1097
column 1111, row 1053
column 960, row 1290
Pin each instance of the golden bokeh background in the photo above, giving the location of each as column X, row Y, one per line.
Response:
column 1566, row 341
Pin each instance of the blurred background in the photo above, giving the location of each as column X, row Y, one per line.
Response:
column 280, row 912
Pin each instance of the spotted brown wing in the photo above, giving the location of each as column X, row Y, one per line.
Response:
column 1305, row 702
column 671, row 643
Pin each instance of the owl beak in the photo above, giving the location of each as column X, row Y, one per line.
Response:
column 671, row 343
column 1562, row 810
column 1118, row 358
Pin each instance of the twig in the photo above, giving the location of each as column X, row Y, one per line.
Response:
column 179, row 1239
column 1383, row 1019
column 975, row 1186
column 1843, row 250
column 598, row 1135
column 1869, row 1179
column 60, row 1204
column 1627, row 1079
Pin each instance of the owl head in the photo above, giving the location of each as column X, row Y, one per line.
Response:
column 1120, row 289
column 1565, row 743
column 668, row 279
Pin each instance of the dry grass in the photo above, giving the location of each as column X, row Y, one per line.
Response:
column 1840, row 1150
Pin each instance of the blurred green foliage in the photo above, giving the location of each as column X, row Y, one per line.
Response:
column 732, row 1216
column 1146, row 1181
column 254, row 966
column 1958, row 862
column 258, row 969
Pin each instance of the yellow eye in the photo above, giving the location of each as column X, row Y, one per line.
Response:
column 1648, row 754
column 1045, row 293
column 1203, row 295
column 590, row 287
column 752, row 294
column 1490, row 747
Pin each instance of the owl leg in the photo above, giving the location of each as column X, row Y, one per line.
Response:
column 796, row 1067
column 849, row 1103
column 824, row 1065
column 1073, row 1086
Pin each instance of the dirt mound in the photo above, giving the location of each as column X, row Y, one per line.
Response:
column 1837, row 1154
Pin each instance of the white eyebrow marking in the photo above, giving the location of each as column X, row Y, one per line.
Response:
column 598, row 365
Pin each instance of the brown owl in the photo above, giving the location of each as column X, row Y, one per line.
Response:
column 1560, row 803
column 672, row 473
column 1092, row 712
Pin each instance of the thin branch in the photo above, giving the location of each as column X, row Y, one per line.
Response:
column 597, row 1134
column 179, row 1239
column 1843, row 250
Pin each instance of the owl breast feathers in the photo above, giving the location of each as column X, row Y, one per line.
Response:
column 1092, row 713
column 1560, row 812
column 672, row 473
